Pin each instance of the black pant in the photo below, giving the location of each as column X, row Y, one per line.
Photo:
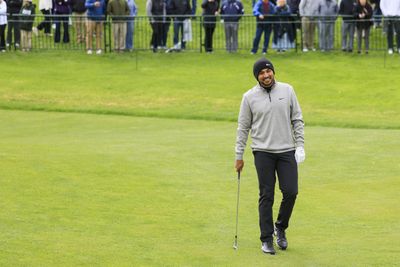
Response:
column 46, row 23
column 13, row 27
column 285, row 166
column 208, row 40
column 157, row 36
column 2, row 37
column 165, row 32
column 61, row 20
column 393, row 25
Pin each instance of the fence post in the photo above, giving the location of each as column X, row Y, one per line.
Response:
column 104, row 35
column 201, row 34
column 109, row 34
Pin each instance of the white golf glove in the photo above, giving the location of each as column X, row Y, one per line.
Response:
column 300, row 155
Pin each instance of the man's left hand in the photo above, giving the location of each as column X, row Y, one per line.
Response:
column 300, row 154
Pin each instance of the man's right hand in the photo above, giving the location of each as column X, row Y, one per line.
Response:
column 239, row 165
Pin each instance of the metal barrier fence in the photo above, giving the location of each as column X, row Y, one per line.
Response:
column 142, row 34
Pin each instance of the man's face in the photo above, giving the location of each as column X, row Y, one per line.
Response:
column 266, row 77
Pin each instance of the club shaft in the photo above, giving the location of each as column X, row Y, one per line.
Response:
column 237, row 208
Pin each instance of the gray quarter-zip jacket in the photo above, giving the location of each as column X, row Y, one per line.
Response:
column 274, row 118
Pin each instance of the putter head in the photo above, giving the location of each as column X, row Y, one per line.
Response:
column 235, row 245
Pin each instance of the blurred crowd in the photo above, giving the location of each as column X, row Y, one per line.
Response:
column 279, row 19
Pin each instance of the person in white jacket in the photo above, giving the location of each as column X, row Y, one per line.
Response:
column 3, row 24
column 391, row 12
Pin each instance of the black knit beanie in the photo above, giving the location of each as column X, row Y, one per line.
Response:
column 261, row 64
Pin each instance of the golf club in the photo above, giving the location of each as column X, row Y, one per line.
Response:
column 235, row 243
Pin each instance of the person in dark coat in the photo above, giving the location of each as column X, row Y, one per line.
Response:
column 181, row 10
column 347, row 11
column 13, row 9
column 156, row 11
column 210, row 11
column 364, row 22
column 62, row 10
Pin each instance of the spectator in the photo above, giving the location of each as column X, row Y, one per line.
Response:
column 194, row 8
column 391, row 12
column 308, row 12
column 253, row 2
column 347, row 11
column 156, row 11
column 130, row 25
column 166, row 25
column 96, row 10
column 282, row 28
column 363, row 14
column 295, row 18
column 118, row 10
column 79, row 16
column 262, row 10
column 26, row 22
column 327, row 12
column 3, row 24
column 210, row 11
column 294, row 6
column 62, row 10
column 45, row 6
column 231, row 11
column 377, row 13
column 181, row 10
column 13, row 9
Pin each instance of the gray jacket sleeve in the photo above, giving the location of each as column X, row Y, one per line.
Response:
column 296, row 118
column 244, row 126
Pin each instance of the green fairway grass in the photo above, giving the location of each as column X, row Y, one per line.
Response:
column 333, row 89
column 96, row 190
column 82, row 185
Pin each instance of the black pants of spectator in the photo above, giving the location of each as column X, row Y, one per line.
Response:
column 166, row 26
column 46, row 23
column 13, row 28
column 157, row 35
column 294, row 25
column 393, row 25
column 61, row 20
column 208, row 38
column 267, row 166
column 3, row 37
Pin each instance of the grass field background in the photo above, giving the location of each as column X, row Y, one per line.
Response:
column 86, row 186
column 334, row 90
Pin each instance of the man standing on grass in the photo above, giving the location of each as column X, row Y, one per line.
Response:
column 272, row 113
column 119, row 12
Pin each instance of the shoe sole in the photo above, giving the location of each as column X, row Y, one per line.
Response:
column 271, row 253
column 268, row 252
column 281, row 248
